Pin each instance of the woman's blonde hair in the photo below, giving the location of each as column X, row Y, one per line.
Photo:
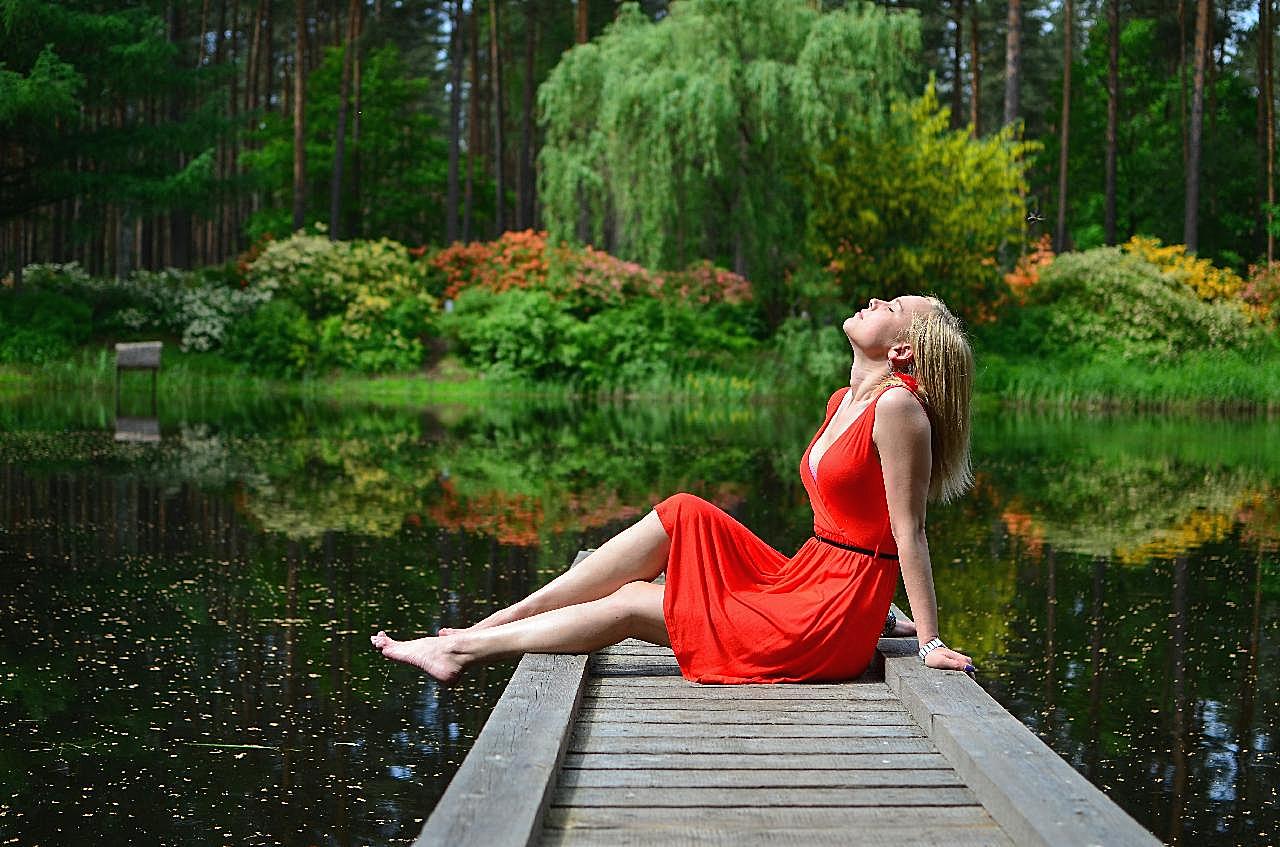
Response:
column 944, row 372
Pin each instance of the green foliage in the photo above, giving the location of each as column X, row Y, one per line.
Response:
column 814, row 357
column 1108, row 304
column 78, row 89
column 277, row 338
column 516, row 333
column 368, row 298
column 194, row 306
column 402, row 159
column 920, row 208
column 1154, row 105
column 697, row 136
column 531, row 335
column 40, row 326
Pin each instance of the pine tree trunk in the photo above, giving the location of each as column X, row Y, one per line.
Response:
column 355, row 224
column 473, row 124
column 1113, row 117
column 524, row 216
column 1182, row 78
column 455, row 123
column 178, row 245
column 1269, row 95
column 495, row 72
column 975, row 100
column 957, row 56
column 582, row 22
column 1013, row 63
column 340, row 131
column 299, row 115
column 1191, row 223
column 1060, row 240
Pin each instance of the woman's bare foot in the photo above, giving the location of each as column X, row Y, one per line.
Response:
column 426, row 654
column 446, row 631
column 903, row 628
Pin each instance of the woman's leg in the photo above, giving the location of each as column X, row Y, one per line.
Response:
column 638, row 553
column 634, row 610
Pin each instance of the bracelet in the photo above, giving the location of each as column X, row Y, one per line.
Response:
column 930, row 647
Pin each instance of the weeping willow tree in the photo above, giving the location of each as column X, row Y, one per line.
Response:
column 699, row 136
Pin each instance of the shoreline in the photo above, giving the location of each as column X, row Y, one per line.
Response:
column 1201, row 384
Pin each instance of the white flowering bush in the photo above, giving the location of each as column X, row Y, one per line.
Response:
column 190, row 305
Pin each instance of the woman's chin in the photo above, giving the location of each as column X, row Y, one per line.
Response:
column 850, row 327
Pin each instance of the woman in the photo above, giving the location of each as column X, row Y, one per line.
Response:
column 733, row 609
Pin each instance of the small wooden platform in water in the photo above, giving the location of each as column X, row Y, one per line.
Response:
column 618, row 749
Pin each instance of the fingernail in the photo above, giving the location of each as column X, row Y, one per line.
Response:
column 969, row 669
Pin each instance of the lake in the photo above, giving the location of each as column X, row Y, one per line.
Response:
column 185, row 603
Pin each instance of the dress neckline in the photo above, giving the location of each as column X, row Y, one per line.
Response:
column 848, row 392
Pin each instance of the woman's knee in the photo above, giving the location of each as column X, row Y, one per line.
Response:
column 637, row 598
column 640, row 605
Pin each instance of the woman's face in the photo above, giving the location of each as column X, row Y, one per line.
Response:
column 875, row 328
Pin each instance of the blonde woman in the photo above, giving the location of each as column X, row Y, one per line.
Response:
column 735, row 610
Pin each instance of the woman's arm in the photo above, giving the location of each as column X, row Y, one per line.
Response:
column 901, row 435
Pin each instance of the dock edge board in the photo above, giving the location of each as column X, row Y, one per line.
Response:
column 501, row 792
column 1035, row 795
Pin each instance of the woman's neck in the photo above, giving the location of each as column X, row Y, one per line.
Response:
column 865, row 377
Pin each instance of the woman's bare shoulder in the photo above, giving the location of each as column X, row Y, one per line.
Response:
column 900, row 407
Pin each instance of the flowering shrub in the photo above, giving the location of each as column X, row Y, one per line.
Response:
column 586, row 278
column 1112, row 303
column 1262, row 290
column 1027, row 271
column 190, row 305
column 369, row 299
column 1211, row 284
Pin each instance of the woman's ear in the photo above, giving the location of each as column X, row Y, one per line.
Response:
column 902, row 357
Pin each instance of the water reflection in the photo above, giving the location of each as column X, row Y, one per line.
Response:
column 182, row 623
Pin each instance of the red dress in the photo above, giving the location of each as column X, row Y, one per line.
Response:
column 738, row 611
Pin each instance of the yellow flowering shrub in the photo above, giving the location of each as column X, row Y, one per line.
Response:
column 1210, row 283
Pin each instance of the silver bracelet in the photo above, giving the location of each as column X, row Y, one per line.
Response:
column 930, row 647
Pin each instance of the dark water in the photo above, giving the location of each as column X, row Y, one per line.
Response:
column 183, row 623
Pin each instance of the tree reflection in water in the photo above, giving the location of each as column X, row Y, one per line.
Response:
column 182, row 623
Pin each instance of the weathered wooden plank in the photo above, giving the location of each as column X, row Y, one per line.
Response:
column 772, row 717
column 710, row 798
column 583, row 743
column 513, row 763
column 666, row 687
column 729, row 704
column 636, row 670
column 617, row 691
column 1029, row 790
column 742, row 778
column 138, row 355
column 941, row 836
column 815, row 738
column 784, row 761
column 851, row 819
column 640, row 649
column 728, row 730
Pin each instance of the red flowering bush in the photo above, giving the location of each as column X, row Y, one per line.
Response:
column 586, row 278
column 1027, row 272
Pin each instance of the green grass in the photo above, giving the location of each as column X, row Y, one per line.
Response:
column 1198, row 381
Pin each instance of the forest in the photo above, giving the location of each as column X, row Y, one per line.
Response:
column 374, row 186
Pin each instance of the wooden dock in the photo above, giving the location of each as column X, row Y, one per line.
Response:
column 618, row 749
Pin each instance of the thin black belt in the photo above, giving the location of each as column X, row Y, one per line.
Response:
column 856, row 549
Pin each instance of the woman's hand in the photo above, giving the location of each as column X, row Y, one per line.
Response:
column 946, row 659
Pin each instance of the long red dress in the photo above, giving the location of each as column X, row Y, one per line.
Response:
column 739, row 611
